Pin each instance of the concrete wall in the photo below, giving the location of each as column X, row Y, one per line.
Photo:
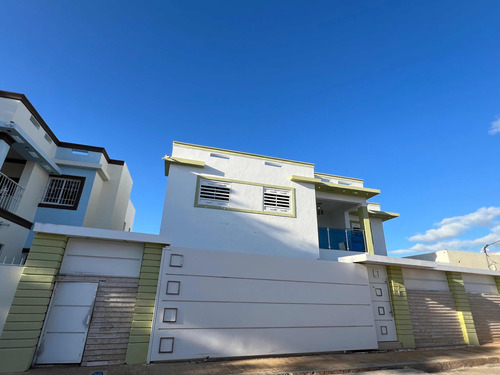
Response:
column 14, row 110
column 463, row 259
column 109, row 206
column 14, row 237
column 206, row 228
column 378, row 236
column 9, row 278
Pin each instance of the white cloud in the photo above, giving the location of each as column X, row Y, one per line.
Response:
column 454, row 226
column 443, row 237
column 495, row 127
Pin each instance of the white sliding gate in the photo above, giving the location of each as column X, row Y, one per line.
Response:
column 224, row 304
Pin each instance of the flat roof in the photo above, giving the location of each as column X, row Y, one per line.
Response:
column 232, row 152
column 23, row 99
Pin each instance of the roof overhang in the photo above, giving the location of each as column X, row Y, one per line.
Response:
column 383, row 215
column 330, row 187
column 169, row 160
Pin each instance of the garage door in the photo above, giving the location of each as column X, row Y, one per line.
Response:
column 485, row 306
column 221, row 304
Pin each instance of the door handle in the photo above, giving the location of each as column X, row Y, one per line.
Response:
column 87, row 321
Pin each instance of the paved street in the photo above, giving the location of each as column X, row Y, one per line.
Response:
column 480, row 370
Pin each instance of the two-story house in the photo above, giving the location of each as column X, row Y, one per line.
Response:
column 45, row 180
column 234, row 201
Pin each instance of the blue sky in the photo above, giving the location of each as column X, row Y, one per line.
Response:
column 405, row 95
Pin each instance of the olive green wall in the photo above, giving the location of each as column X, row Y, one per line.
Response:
column 27, row 313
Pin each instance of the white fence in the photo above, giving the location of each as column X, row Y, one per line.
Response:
column 224, row 304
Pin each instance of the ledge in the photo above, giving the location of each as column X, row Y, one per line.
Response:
column 97, row 233
column 169, row 160
column 384, row 215
column 366, row 258
column 330, row 187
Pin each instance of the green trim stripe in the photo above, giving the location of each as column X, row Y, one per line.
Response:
column 25, row 320
column 169, row 160
column 497, row 281
column 457, row 288
column 142, row 320
column 330, row 187
column 364, row 220
column 261, row 212
column 327, row 175
column 400, row 307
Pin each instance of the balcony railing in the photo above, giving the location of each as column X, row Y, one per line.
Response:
column 10, row 193
column 342, row 239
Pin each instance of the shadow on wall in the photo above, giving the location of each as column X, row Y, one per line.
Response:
column 485, row 310
column 9, row 278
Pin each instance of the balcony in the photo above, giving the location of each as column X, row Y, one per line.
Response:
column 342, row 239
column 10, row 194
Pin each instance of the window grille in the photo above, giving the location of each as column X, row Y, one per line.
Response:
column 277, row 200
column 214, row 193
column 63, row 192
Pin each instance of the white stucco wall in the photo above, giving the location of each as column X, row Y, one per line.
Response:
column 34, row 179
column 378, row 236
column 109, row 204
column 9, row 278
column 206, row 228
column 14, row 110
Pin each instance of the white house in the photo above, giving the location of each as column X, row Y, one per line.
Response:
column 234, row 201
column 43, row 179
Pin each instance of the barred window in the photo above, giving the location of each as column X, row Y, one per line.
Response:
column 63, row 192
column 214, row 193
column 277, row 200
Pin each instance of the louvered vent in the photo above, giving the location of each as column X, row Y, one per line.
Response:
column 35, row 122
column 47, row 138
column 277, row 200
column 214, row 193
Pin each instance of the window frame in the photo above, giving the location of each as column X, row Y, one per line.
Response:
column 213, row 202
column 291, row 213
column 77, row 198
column 276, row 207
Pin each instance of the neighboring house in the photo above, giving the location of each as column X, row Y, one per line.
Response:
column 234, row 201
column 46, row 180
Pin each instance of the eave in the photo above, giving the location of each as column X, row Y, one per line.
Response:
column 169, row 160
column 329, row 187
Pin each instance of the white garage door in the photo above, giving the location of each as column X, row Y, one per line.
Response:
column 222, row 304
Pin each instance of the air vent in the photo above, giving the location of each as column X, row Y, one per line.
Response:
column 47, row 138
column 214, row 193
column 220, row 156
column 277, row 200
column 80, row 152
column 35, row 122
column 270, row 164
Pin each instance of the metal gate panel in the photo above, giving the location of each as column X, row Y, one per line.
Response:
column 486, row 314
column 224, row 304
column 67, row 323
column 434, row 318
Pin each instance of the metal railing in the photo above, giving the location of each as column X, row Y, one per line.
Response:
column 342, row 239
column 10, row 193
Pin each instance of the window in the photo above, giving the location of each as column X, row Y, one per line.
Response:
column 214, row 193
column 277, row 200
column 63, row 192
